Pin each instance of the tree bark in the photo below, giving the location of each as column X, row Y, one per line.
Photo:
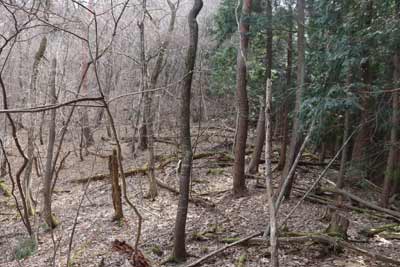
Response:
column 31, row 128
column 48, row 177
column 361, row 139
column 143, row 131
column 179, row 251
column 268, row 175
column 296, row 133
column 86, row 131
column 343, row 160
column 392, row 169
column 260, row 132
column 285, row 109
column 116, row 188
column 239, row 180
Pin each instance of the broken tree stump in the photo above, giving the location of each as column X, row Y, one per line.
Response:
column 116, row 188
column 338, row 226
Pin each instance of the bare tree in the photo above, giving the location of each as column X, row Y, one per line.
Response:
column 179, row 252
column 31, row 128
column 48, row 177
column 239, row 181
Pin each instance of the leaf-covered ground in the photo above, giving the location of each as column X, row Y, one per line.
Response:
column 212, row 222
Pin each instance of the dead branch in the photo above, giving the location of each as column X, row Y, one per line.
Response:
column 299, row 237
column 363, row 202
column 212, row 254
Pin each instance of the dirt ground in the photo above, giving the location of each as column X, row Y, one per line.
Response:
column 208, row 227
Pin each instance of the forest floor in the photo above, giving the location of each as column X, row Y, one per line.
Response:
column 209, row 227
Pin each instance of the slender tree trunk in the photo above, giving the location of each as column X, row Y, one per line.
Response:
column 179, row 251
column 239, row 181
column 268, row 175
column 31, row 131
column 146, row 136
column 143, row 131
column 285, row 110
column 361, row 139
column 392, row 164
column 48, row 177
column 260, row 132
column 343, row 160
column 86, row 131
column 149, row 113
column 296, row 133
column 109, row 85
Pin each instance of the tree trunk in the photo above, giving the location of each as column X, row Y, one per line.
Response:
column 338, row 226
column 48, row 177
column 179, row 251
column 296, row 134
column 285, row 109
column 268, row 175
column 111, row 80
column 116, row 188
column 260, row 132
column 31, row 130
column 239, row 181
column 143, row 132
column 362, row 138
column 343, row 160
column 391, row 172
column 86, row 131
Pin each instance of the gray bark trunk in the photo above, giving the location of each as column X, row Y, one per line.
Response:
column 239, row 181
column 179, row 251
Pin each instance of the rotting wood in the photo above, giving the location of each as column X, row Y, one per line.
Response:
column 338, row 226
column 116, row 188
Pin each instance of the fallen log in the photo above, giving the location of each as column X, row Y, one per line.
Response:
column 143, row 170
column 369, row 232
column 363, row 202
column 332, row 204
column 98, row 177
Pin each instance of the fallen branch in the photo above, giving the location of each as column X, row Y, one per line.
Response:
column 370, row 254
column 206, row 257
column 98, row 177
column 143, row 170
column 324, row 239
column 363, row 202
column 377, row 230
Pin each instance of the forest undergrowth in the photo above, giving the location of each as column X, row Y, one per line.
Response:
column 215, row 217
